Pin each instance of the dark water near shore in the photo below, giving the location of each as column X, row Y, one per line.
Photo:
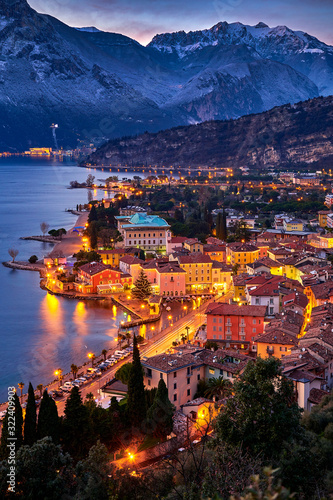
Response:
column 39, row 332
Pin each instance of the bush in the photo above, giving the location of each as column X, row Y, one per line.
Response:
column 33, row 259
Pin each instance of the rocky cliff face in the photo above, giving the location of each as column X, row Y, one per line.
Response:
column 99, row 85
column 292, row 134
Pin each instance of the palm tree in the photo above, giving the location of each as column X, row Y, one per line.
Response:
column 121, row 338
column 74, row 370
column 40, row 389
column 218, row 387
column 21, row 385
column 104, row 352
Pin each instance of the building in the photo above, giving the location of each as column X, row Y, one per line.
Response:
column 96, row 277
column 275, row 343
column 215, row 252
column 290, row 225
column 175, row 243
column 234, row 326
column 171, row 280
column 322, row 214
column 148, row 232
column 131, row 265
column 241, row 254
column 180, row 372
column 112, row 256
column 266, row 294
column 329, row 200
column 198, row 268
column 221, row 276
column 193, row 245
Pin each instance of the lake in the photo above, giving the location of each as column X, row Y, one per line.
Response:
column 41, row 332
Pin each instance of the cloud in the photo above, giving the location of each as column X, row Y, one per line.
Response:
column 144, row 18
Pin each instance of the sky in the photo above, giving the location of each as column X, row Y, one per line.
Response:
column 142, row 19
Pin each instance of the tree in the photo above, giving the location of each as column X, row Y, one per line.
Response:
column 142, row 254
column 90, row 180
column 142, row 288
column 92, row 474
column 92, row 214
column 104, row 352
column 44, row 226
column 42, row 471
column 93, row 234
column 240, row 230
column 76, row 428
column 74, row 370
column 160, row 413
column 123, row 373
column 219, row 226
column 268, row 491
column 218, row 387
column 262, row 410
column 136, row 402
column 33, row 259
column 21, row 386
column 30, row 421
column 234, row 269
column 224, row 226
column 13, row 252
column 48, row 420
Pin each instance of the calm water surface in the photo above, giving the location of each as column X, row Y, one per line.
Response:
column 40, row 332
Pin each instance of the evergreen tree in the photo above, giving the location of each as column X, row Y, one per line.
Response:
column 136, row 401
column 219, row 226
column 92, row 214
column 142, row 288
column 76, row 428
column 93, row 234
column 30, row 421
column 224, row 232
column 48, row 420
column 142, row 254
column 161, row 412
column 18, row 422
column 4, row 450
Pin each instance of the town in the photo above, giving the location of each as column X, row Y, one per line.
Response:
column 213, row 280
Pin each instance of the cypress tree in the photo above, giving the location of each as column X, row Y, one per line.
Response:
column 4, row 450
column 224, row 231
column 219, row 226
column 93, row 235
column 92, row 214
column 76, row 428
column 142, row 288
column 48, row 420
column 161, row 412
column 30, row 421
column 18, row 422
column 136, row 401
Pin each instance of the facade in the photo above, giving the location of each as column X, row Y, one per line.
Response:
column 234, row 326
column 131, row 265
column 148, row 232
column 322, row 215
column 329, row 200
column 242, row 254
column 215, row 252
column 193, row 245
column 174, row 243
column 96, row 277
column 112, row 256
column 266, row 294
column 275, row 343
column 171, row 280
column 290, row 225
column 198, row 268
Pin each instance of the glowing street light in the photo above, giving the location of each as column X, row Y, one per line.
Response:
column 91, row 356
column 58, row 373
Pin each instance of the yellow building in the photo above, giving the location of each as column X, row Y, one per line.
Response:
column 242, row 254
column 290, row 225
column 198, row 268
column 112, row 257
column 323, row 217
column 221, row 276
column 275, row 343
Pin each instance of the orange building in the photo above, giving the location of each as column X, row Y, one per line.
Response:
column 234, row 326
column 275, row 343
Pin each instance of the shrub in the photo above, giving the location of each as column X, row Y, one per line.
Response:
column 33, row 259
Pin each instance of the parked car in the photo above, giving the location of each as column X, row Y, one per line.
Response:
column 82, row 379
column 65, row 388
column 68, row 384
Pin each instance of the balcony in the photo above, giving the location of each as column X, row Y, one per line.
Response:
column 270, row 350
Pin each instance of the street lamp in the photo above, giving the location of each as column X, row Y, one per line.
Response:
column 58, row 373
column 91, row 356
column 187, row 328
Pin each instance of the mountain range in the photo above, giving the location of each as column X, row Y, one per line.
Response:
column 98, row 85
column 293, row 135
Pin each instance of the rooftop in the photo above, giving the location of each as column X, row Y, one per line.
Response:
column 235, row 310
column 93, row 268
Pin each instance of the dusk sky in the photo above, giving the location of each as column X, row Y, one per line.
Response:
column 142, row 19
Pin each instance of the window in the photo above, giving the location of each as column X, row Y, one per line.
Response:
column 212, row 371
column 271, row 301
column 161, row 375
column 228, row 337
column 220, row 320
column 175, row 397
column 254, row 330
column 198, row 376
column 257, row 301
column 254, row 321
column 188, row 381
column 214, row 320
column 189, row 392
column 149, row 373
column 214, row 336
column 220, row 328
column 175, row 385
column 214, row 328
column 188, row 370
column 174, row 374
column 148, row 381
column 271, row 310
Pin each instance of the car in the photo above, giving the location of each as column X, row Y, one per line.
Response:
column 57, row 394
column 102, row 366
column 68, row 384
column 98, row 373
column 65, row 388
column 78, row 381
column 108, row 362
column 82, row 379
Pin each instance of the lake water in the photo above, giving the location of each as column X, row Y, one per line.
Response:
column 40, row 332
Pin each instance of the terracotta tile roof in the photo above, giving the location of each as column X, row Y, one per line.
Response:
column 198, row 402
column 233, row 310
column 280, row 251
column 316, row 395
column 296, row 298
column 214, row 248
column 194, row 258
column 130, row 259
column 301, row 375
column 276, row 337
column 264, row 261
column 221, row 265
column 171, row 268
column 171, row 362
column 93, row 268
column 323, row 290
column 192, row 241
column 242, row 247
column 178, row 239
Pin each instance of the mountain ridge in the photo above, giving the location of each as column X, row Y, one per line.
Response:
column 296, row 134
column 98, row 85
